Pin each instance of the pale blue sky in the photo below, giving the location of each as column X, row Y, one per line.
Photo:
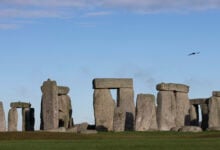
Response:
column 75, row 41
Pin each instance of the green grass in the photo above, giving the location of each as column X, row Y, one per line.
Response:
column 110, row 141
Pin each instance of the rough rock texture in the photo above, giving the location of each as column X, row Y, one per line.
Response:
column 119, row 120
column 172, row 87
column 65, row 111
column 182, row 109
column 63, row 90
column 214, row 129
column 12, row 119
column 103, row 109
column 58, row 130
column 190, row 129
column 214, row 112
column 145, row 113
column 126, row 104
column 205, row 116
column 2, row 118
column 194, row 120
column 109, row 83
column 20, row 105
column 49, row 105
column 216, row 93
column 166, row 110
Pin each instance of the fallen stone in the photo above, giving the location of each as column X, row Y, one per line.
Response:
column 89, row 132
column 62, row 129
column 146, row 113
column 112, row 83
column 175, row 129
column 190, row 129
column 63, row 90
column 214, row 129
column 172, row 87
column 12, row 120
column 103, row 109
column 2, row 118
column 119, row 120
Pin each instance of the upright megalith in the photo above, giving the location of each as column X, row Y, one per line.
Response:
column 214, row 110
column 56, row 109
column 2, row 118
column 125, row 101
column 146, row 113
column 12, row 120
column 103, row 109
column 173, row 106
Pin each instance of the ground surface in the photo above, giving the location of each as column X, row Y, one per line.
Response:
column 110, row 141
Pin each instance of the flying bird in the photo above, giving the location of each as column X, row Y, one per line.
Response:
column 193, row 53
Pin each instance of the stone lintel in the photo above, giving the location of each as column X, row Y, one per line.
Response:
column 216, row 93
column 112, row 83
column 199, row 101
column 63, row 90
column 172, row 87
column 20, row 105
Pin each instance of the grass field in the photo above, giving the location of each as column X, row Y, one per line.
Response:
column 110, row 141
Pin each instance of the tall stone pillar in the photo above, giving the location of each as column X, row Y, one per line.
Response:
column 146, row 113
column 25, row 119
column 103, row 109
column 2, row 118
column 194, row 115
column 49, row 107
column 12, row 120
column 214, row 110
column 173, row 106
column 205, row 116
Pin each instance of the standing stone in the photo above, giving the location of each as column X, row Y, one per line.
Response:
column 25, row 119
column 146, row 113
column 182, row 109
column 126, row 104
column 119, row 120
column 65, row 111
column 205, row 116
column 103, row 109
column 12, row 119
column 194, row 120
column 49, row 116
column 2, row 118
column 166, row 110
column 214, row 112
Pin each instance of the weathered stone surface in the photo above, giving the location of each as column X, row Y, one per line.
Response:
column 145, row 113
column 126, row 104
column 216, row 93
column 119, row 120
column 2, row 118
column 182, row 109
column 194, row 117
column 82, row 127
column 49, row 105
column 12, row 119
column 199, row 101
column 20, row 105
column 65, row 111
column 103, row 109
column 89, row 132
column 63, row 90
column 175, row 129
column 205, row 116
column 28, row 119
column 172, row 87
column 214, row 112
column 190, row 129
column 214, row 129
column 112, row 83
column 166, row 110
column 58, row 130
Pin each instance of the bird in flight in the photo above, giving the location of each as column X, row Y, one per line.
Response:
column 193, row 53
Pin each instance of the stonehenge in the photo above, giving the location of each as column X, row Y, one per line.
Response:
column 170, row 110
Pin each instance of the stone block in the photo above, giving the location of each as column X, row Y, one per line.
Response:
column 199, row 101
column 172, row 87
column 20, row 105
column 63, row 90
column 49, row 105
column 216, row 93
column 194, row 116
column 2, row 118
column 190, row 129
column 214, row 112
column 112, row 83
column 103, row 109
column 12, row 120
column 166, row 110
column 119, row 120
column 145, row 113
column 126, row 104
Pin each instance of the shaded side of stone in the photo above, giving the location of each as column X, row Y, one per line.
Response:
column 2, row 118
column 194, row 116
